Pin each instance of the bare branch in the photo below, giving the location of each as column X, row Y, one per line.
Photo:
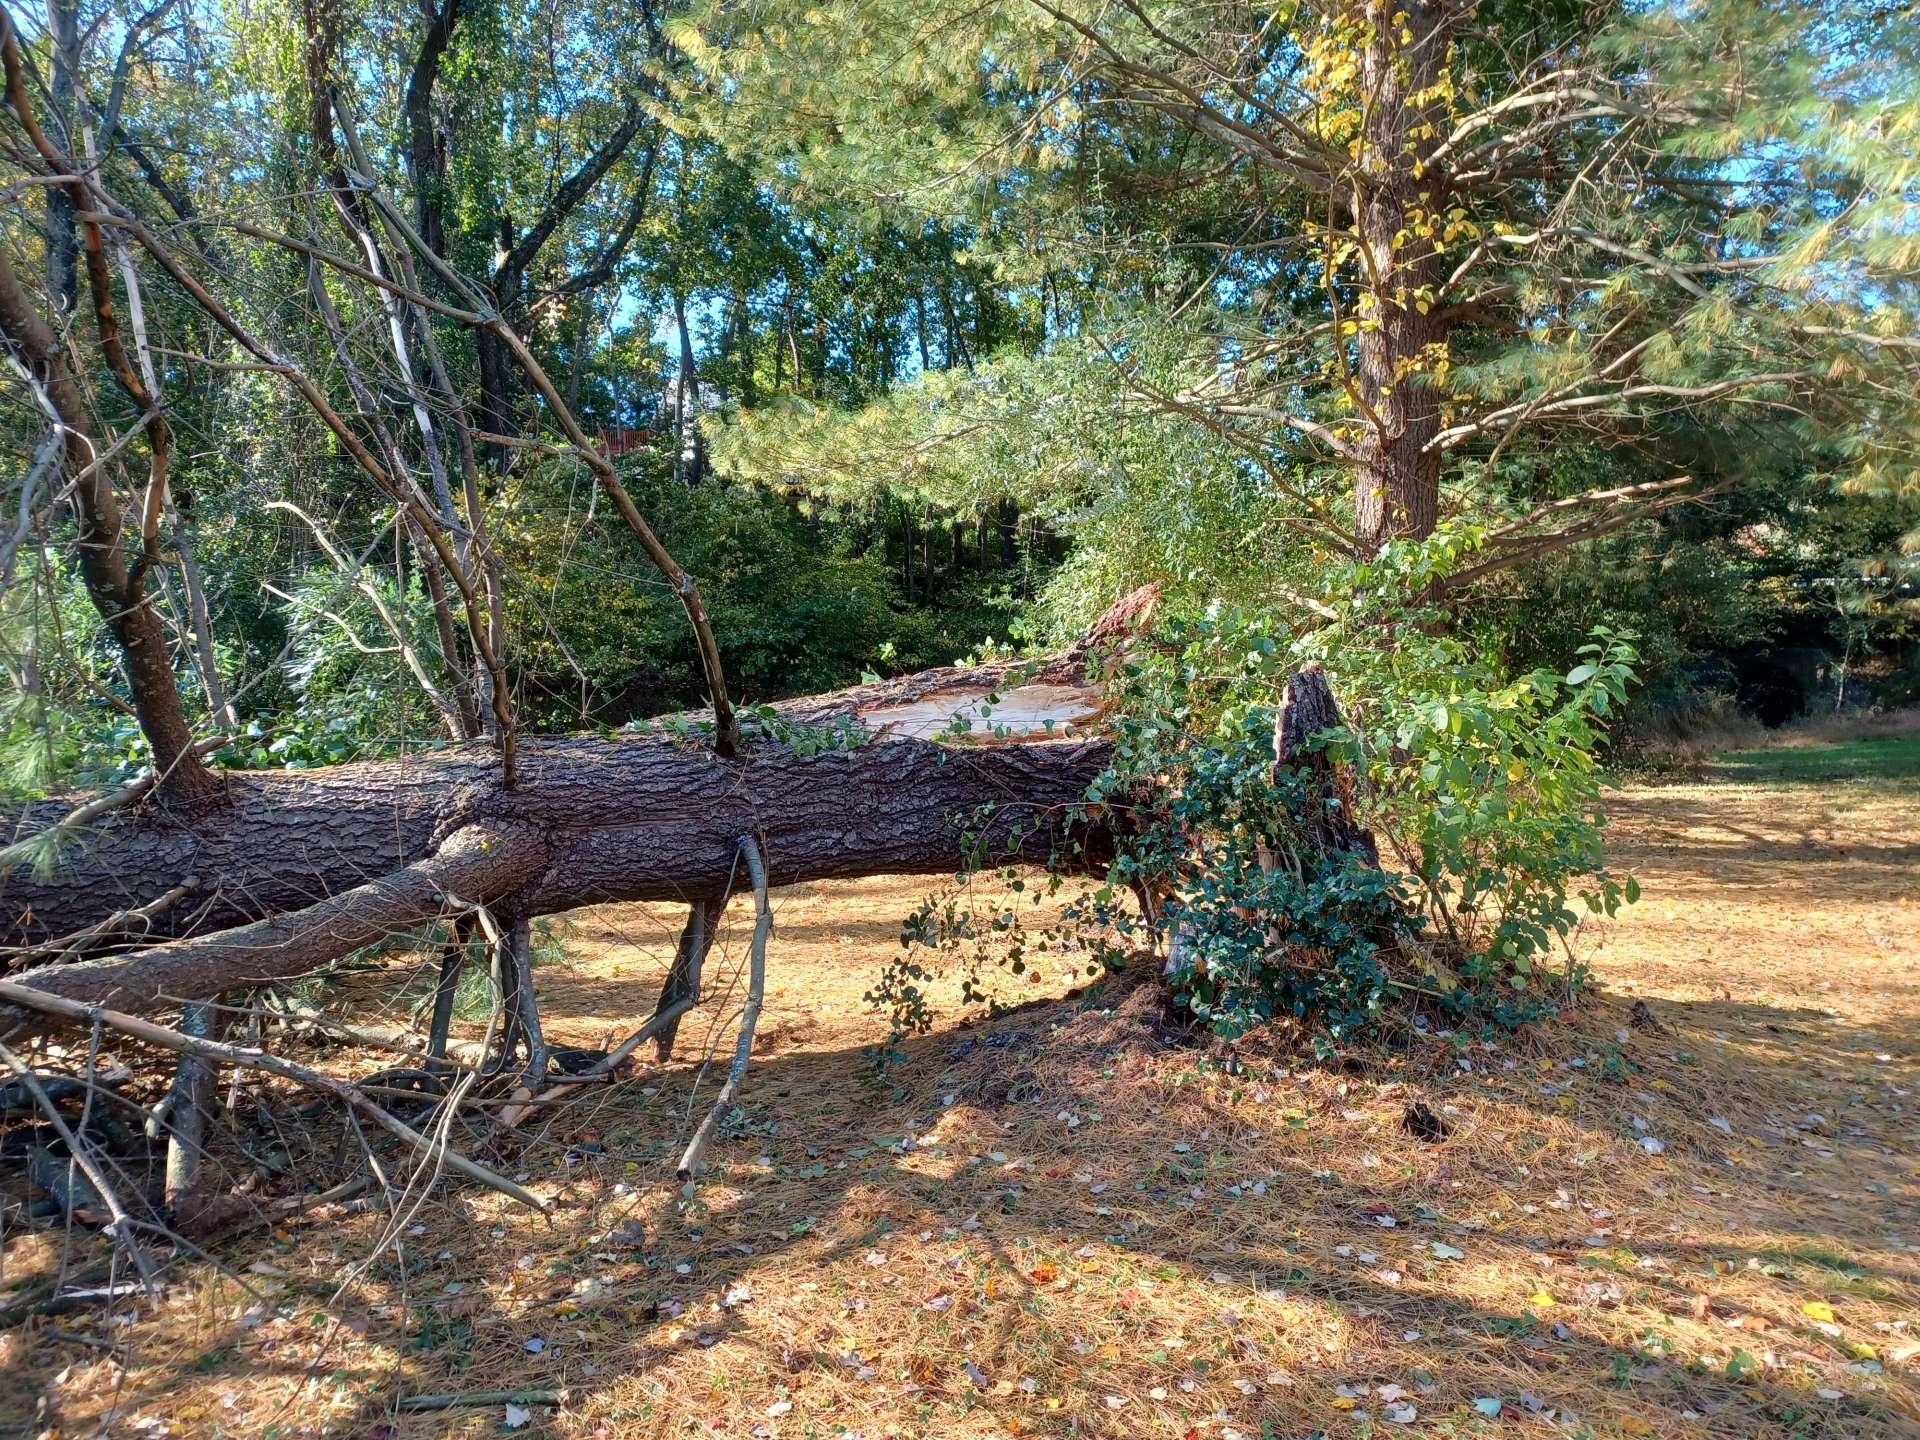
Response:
column 26, row 997
column 695, row 1157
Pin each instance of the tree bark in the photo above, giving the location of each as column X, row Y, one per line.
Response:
column 1397, row 486
column 1307, row 710
column 426, row 162
column 689, row 960
column 303, row 867
column 63, row 35
column 122, row 602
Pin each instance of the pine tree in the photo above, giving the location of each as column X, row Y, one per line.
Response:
column 1429, row 246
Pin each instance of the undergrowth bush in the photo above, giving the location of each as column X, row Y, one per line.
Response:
column 1482, row 789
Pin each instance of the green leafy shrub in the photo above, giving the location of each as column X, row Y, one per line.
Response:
column 1482, row 790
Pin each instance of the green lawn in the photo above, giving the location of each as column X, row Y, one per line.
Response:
column 1880, row 759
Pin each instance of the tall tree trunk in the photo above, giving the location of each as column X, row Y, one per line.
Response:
column 499, row 378
column 629, row 818
column 426, row 160
column 1395, row 192
column 592, row 822
column 743, row 349
column 576, row 330
column 279, row 878
column 105, row 566
column 63, row 33
column 496, row 395
column 684, row 388
column 956, row 347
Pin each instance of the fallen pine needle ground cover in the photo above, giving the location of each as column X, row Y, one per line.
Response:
column 1697, row 1218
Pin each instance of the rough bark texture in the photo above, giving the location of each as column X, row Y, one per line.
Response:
column 477, row 863
column 617, row 820
column 689, row 961
column 1307, row 709
column 1397, row 488
column 122, row 601
column 302, row 867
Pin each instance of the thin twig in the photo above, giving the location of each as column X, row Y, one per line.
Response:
column 756, row 993
column 121, row 1228
column 601, row 1069
column 29, row 998
column 478, row 1398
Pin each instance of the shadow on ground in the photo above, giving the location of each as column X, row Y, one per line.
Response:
column 1065, row 1221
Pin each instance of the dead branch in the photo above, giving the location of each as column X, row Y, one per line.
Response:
column 382, row 1035
column 696, row 1151
column 477, row 862
column 481, row 1399
column 120, row 1231
column 726, row 727
column 344, row 1091
column 602, row 1069
column 689, row 959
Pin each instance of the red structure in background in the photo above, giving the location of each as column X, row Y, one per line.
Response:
column 617, row 442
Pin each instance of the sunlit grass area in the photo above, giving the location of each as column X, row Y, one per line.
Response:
column 1874, row 760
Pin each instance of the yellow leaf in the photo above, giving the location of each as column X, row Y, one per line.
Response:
column 1344, row 1402
column 1633, row 1425
column 1861, row 1351
column 1541, row 1297
column 1818, row 1310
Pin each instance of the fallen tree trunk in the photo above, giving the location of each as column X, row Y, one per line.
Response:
column 299, row 868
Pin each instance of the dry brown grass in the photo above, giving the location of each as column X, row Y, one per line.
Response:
column 1057, row 1223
